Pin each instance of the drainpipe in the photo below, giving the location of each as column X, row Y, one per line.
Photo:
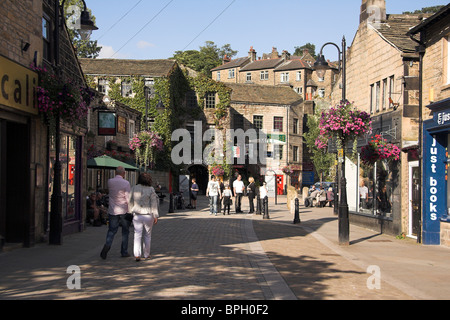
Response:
column 421, row 50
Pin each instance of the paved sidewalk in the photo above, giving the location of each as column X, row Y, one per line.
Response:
column 233, row 257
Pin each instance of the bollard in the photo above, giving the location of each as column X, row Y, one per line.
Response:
column 258, row 204
column 266, row 208
column 297, row 211
column 171, row 203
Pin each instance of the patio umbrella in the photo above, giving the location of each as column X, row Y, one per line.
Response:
column 105, row 162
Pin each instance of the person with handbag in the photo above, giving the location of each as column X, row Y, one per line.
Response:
column 251, row 192
column 144, row 205
column 119, row 190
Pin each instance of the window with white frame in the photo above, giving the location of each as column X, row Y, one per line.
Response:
column 126, row 88
column 377, row 97
column 298, row 76
column 231, row 74
column 391, row 90
column 384, row 101
column 264, row 75
column 321, row 92
column 295, row 153
column 248, row 76
column 131, row 129
column 103, row 86
column 284, row 77
column 218, row 76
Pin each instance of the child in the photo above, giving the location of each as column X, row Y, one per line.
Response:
column 227, row 199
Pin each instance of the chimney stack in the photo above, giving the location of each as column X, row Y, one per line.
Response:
column 225, row 59
column 252, row 54
column 373, row 11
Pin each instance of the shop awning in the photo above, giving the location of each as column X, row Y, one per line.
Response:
column 105, row 162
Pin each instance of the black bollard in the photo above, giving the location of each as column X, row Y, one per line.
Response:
column 171, row 203
column 297, row 211
column 258, row 204
column 266, row 208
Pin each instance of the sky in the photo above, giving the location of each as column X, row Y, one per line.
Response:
column 156, row 29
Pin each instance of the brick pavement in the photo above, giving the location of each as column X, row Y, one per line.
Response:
column 234, row 257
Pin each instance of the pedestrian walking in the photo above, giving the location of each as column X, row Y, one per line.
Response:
column 119, row 191
column 143, row 204
column 251, row 193
column 213, row 192
column 330, row 196
column 238, row 189
column 263, row 193
column 227, row 199
column 194, row 193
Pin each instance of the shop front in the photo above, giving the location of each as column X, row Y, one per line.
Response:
column 436, row 188
column 17, row 114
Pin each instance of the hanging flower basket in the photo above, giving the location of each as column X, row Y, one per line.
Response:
column 217, row 170
column 379, row 149
column 56, row 97
column 145, row 145
column 288, row 170
column 343, row 123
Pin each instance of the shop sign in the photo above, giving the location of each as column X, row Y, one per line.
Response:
column 107, row 123
column 18, row 86
column 434, row 184
column 442, row 117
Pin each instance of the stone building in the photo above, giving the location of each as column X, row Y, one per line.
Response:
column 430, row 202
column 278, row 113
column 26, row 149
column 153, row 88
column 382, row 79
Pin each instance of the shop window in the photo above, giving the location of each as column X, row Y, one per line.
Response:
column 375, row 187
column 69, row 159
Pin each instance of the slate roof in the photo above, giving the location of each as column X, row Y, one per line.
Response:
column 438, row 16
column 233, row 64
column 250, row 93
column 293, row 65
column 395, row 30
column 123, row 67
column 262, row 64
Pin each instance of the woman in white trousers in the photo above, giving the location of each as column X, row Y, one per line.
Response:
column 144, row 205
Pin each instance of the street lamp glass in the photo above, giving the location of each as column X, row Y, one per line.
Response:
column 321, row 66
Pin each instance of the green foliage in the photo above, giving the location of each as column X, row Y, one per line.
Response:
column 425, row 10
column 208, row 57
column 309, row 46
column 84, row 48
column 323, row 161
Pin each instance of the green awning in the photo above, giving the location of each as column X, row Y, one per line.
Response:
column 109, row 163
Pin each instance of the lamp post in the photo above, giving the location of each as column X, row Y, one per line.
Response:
column 320, row 66
column 86, row 26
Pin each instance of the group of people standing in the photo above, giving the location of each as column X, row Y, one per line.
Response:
column 219, row 192
column 138, row 205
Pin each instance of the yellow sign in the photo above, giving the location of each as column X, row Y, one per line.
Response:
column 18, row 86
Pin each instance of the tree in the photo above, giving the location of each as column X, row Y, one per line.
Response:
column 309, row 46
column 425, row 10
column 322, row 160
column 208, row 57
column 84, row 48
